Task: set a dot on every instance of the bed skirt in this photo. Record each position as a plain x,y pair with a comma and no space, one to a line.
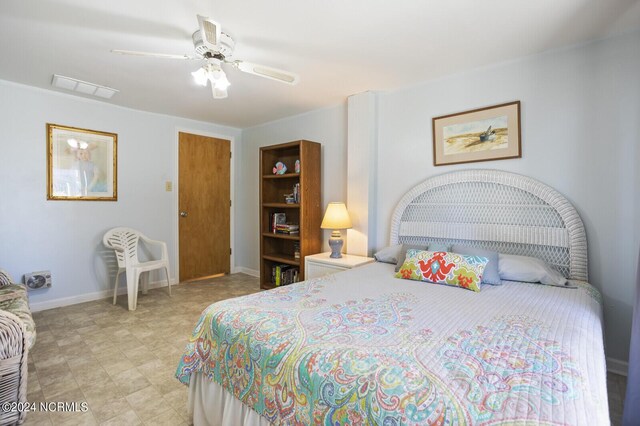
211,405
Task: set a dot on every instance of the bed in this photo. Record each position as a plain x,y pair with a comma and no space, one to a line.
363,347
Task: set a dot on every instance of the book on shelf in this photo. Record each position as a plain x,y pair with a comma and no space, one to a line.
287,228
293,197
284,274
296,193
277,219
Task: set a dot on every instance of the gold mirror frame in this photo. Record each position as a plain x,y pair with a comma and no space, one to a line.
83,148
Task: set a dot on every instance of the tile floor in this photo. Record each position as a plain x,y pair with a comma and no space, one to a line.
617,388
122,363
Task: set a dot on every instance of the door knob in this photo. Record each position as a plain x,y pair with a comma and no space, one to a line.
183,214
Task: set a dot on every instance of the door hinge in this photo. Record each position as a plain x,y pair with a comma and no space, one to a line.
230,154
229,203
230,250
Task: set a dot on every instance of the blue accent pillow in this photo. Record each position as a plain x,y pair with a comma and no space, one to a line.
388,254
491,273
434,247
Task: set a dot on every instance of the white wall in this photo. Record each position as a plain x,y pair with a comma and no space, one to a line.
362,148
580,135
65,236
327,126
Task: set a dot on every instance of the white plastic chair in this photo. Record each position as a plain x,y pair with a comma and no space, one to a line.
125,243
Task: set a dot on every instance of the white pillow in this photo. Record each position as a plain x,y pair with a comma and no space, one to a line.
528,269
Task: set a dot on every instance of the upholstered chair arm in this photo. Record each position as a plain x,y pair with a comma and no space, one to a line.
5,277
13,365
12,332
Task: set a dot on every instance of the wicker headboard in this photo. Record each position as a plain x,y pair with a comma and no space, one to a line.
496,210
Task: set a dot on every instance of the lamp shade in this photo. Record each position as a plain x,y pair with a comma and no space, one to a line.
336,217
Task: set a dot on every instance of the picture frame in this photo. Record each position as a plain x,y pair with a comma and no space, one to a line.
483,134
81,164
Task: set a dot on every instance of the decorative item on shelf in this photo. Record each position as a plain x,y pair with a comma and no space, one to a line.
336,217
289,198
279,168
277,219
296,251
297,166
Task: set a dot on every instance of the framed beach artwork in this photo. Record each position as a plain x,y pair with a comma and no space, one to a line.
484,134
81,164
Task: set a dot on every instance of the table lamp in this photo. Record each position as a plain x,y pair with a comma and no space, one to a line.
336,217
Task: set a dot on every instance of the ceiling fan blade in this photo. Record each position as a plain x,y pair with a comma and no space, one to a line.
153,55
210,32
267,72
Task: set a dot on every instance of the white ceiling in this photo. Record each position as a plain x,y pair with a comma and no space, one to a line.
337,47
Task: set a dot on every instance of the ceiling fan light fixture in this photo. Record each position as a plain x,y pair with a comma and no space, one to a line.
200,76
221,82
212,72
219,93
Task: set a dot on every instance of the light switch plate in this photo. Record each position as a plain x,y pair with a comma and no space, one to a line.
168,186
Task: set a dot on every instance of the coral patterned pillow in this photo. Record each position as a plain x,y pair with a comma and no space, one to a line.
444,268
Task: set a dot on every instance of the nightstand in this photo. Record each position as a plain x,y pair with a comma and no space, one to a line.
318,265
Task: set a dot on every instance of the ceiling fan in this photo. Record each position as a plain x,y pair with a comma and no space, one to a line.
216,48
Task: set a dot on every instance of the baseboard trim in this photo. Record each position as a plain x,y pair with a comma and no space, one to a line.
617,366
104,294
248,271
88,297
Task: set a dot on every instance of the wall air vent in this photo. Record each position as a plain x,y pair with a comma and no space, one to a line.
38,280
83,87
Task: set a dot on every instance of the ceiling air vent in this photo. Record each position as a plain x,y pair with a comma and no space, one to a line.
83,87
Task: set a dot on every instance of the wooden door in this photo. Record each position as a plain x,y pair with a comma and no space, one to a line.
204,206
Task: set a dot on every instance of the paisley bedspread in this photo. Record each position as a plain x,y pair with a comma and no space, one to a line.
362,347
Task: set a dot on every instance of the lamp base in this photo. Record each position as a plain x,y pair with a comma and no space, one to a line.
336,242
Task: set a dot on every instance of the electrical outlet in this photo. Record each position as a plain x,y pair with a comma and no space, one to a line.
168,186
